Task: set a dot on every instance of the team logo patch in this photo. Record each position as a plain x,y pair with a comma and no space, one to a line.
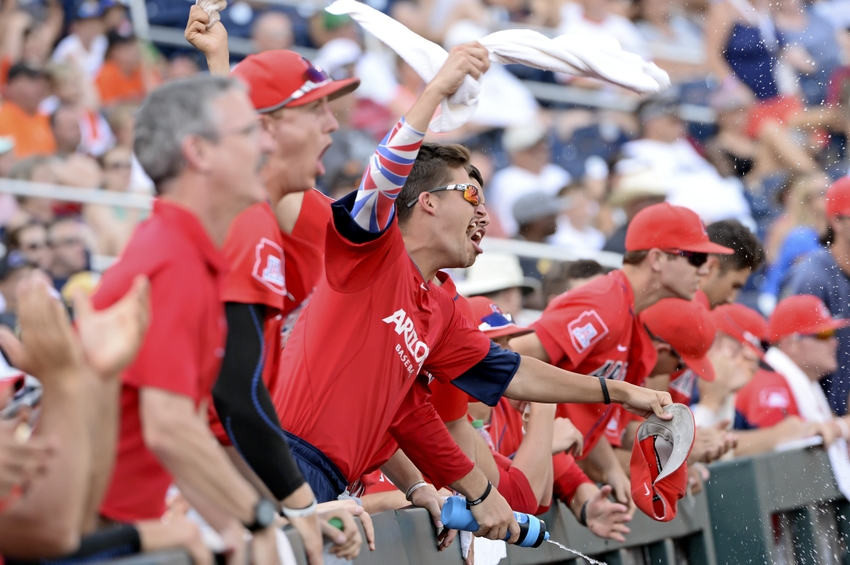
586,330
774,398
268,267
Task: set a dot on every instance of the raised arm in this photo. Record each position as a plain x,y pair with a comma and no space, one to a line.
390,165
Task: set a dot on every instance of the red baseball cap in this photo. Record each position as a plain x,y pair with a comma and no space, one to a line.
492,321
659,467
804,314
743,324
10,377
838,198
281,78
687,327
664,226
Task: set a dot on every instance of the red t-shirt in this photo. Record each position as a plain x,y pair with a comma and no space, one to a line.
593,330
304,249
182,349
254,252
764,402
356,350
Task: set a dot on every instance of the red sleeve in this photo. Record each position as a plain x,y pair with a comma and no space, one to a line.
425,440
450,402
568,477
166,359
254,254
514,486
461,347
571,330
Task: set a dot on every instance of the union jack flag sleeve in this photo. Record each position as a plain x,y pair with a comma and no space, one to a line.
387,172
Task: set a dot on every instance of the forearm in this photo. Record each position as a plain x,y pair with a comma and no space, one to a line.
47,521
753,442
116,541
472,485
189,452
383,501
104,426
465,436
401,471
602,456
537,381
534,457
245,407
583,493
485,461
219,63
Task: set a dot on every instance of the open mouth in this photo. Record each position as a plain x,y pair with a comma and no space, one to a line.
476,234
320,166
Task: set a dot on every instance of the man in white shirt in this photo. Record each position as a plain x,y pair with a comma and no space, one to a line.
689,179
530,171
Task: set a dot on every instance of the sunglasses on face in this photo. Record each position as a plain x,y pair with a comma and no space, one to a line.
695,258
825,335
471,193
314,77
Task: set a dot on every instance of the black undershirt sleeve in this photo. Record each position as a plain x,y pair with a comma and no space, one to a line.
245,407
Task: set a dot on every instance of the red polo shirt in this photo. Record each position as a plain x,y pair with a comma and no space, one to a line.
593,330
182,349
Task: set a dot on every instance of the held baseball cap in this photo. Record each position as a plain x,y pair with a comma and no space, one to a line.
664,226
838,198
686,326
281,78
659,468
492,321
804,314
743,324
10,378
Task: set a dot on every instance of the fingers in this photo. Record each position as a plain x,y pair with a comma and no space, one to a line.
514,529
13,348
332,533
579,447
447,537
661,400
368,527
197,15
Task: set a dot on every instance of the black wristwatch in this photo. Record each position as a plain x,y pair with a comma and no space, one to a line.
265,513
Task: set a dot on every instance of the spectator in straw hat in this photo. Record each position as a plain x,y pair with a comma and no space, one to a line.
499,277
633,192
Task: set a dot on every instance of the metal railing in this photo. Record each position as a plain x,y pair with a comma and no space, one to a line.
141,201
774,508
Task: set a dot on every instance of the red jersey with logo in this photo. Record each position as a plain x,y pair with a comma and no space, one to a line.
182,349
254,252
593,330
304,249
764,402
350,366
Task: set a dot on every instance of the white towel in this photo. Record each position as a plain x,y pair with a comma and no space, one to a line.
814,407
589,56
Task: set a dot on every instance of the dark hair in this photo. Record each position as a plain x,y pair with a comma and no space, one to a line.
13,237
748,250
432,168
584,269
635,257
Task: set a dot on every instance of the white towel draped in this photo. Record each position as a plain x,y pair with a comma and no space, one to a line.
586,56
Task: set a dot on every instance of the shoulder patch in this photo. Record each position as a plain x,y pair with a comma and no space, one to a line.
586,330
268,266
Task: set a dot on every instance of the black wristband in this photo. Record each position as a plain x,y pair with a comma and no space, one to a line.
582,516
481,498
605,394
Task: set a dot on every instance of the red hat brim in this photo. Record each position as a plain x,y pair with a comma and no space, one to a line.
706,247
699,365
511,331
332,90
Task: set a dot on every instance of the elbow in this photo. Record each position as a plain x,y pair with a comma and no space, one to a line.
39,537
159,436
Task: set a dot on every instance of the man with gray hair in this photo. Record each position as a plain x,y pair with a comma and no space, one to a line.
200,141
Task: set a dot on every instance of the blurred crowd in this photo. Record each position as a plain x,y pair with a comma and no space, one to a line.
748,149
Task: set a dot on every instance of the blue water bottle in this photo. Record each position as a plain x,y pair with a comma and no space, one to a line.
457,516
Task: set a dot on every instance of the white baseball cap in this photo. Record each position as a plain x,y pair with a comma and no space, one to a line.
494,271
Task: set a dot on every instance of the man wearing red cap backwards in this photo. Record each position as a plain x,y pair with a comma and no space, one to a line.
595,330
826,274
802,335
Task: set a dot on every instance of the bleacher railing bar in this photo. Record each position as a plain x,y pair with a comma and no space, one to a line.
775,508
